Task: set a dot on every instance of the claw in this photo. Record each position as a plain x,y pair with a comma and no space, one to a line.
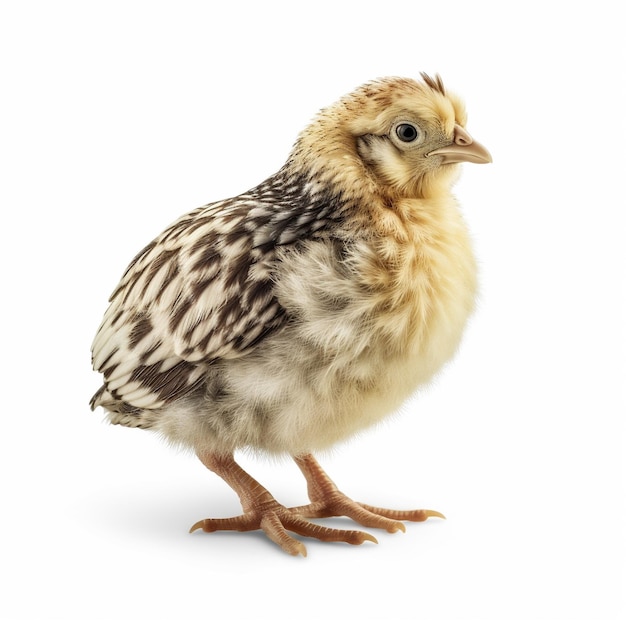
197,526
368,537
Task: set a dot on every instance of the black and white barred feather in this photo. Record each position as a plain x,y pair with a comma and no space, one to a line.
202,291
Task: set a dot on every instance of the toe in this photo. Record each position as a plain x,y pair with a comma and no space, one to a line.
275,530
323,533
416,515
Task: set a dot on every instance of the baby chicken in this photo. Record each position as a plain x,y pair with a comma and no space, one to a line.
306,309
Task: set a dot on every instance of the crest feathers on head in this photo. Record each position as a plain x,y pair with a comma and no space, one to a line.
436,83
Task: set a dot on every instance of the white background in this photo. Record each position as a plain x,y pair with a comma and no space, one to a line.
116,117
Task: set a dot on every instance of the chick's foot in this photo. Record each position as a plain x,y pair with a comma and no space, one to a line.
263,512
328,501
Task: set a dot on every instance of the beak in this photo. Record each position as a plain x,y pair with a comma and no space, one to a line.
463,148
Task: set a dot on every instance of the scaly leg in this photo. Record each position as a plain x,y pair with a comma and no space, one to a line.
262,511
328,501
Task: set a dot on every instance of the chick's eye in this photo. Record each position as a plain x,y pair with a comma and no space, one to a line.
407,132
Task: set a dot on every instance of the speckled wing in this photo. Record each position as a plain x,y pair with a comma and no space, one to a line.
199,292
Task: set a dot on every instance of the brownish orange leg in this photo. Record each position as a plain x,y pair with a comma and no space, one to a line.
328,501
262,511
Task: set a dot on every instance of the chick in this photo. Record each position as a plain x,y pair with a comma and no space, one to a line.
290,317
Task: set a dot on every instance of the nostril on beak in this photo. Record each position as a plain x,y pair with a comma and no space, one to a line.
462,137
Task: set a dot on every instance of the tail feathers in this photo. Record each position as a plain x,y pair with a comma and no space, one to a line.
97,399
119,412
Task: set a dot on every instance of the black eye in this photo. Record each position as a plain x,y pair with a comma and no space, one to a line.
407,132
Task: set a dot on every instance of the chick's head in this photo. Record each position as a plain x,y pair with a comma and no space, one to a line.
406,136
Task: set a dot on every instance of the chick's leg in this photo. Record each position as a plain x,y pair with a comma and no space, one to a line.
328,501
262,511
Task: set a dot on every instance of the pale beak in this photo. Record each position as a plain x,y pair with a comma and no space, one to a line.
464,148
